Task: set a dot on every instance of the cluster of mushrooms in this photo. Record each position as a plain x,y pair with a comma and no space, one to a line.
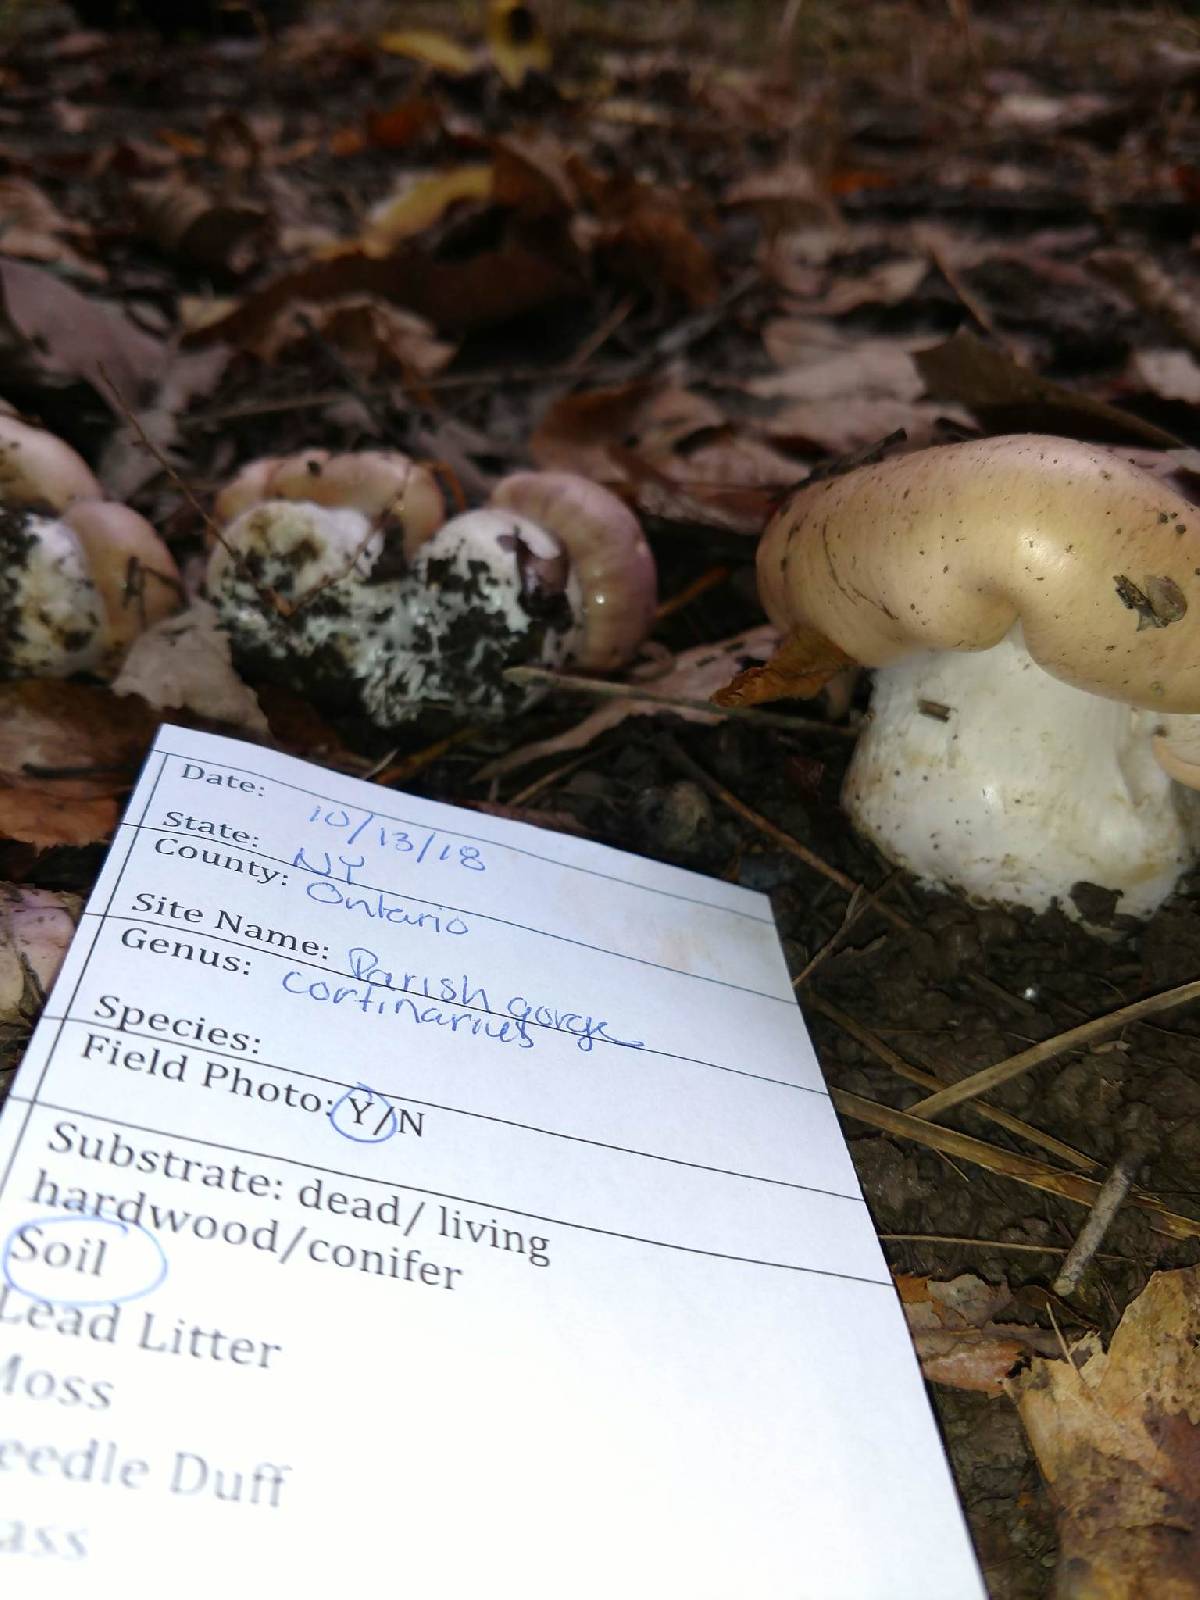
1030,605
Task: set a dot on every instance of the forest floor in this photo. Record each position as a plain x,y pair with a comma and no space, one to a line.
692,253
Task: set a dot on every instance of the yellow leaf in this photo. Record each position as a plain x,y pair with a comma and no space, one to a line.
434,49
422,203
516,40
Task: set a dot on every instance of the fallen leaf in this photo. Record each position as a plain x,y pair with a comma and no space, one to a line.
420,202
34,229
783,196
798,670
872,368
1175,304
1170,374
696,674
958,1340
460,295
516,40
432,49
36,926
371,336
1117,1438
67,750
50,333
888,283
226,236
1009,398
650,416
401,125
185,663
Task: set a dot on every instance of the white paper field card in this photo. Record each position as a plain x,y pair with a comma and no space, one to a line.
399,1201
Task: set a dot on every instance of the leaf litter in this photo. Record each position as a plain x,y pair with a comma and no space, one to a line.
697,256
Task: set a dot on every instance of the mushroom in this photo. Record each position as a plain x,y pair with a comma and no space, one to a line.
1032,605
379,606
81,575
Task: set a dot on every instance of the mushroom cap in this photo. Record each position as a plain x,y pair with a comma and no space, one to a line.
604,540
948,548
378,483
37,469
132,570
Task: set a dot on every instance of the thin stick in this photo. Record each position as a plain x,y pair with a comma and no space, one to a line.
276,601
405,768
986,1244
706,581
855,907
991,1077
1113,1193
602,689
929,1080
1004,1163
525,795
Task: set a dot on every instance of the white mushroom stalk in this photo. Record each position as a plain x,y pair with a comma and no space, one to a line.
388,612
81,576
1033,605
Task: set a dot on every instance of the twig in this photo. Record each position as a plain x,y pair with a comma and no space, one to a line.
855,907
277,603
422,758
929,1080
1113,1193
1005,1163
1004,1071
985,1244
602,689
701,585
525,795
601,334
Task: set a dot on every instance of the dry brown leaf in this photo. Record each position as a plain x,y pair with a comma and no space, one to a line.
516,40
784,197
36,926
696,674
957,1338
421,201
1009,398
650,416
34,229
50,333
870,369
399,127
226,236
370,335
185,663
1176,304
532,175
66,751
887,284
843,424
1117,1438
456,296
798,670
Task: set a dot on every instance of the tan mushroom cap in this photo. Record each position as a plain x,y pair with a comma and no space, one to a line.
132,570
38,469
949,548
613,562
374,482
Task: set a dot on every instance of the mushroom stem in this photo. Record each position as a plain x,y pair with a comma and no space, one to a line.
981,772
